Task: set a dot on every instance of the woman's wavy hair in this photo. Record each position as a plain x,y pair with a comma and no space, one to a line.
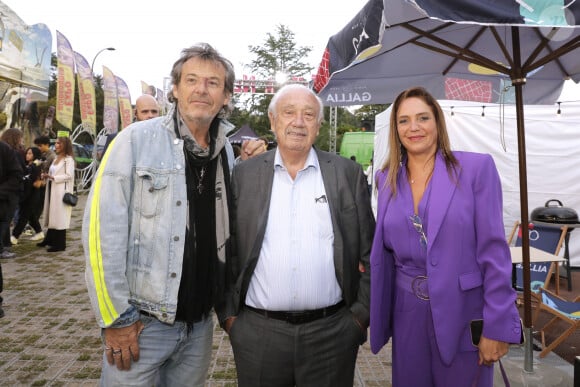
205,52
67,146
13,137
398,153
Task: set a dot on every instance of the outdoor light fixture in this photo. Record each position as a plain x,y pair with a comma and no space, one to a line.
452,113
559,112
95,57
482,111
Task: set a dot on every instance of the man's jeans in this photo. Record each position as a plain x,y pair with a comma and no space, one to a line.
168,356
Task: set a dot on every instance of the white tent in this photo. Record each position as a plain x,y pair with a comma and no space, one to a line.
552,146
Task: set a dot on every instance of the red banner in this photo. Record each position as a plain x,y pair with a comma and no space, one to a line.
125,107
87,101
65,86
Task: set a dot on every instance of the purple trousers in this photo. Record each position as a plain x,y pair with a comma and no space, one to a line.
416,359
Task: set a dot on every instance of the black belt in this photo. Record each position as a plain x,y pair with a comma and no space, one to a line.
299,317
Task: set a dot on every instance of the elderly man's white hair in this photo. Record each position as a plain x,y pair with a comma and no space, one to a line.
295,86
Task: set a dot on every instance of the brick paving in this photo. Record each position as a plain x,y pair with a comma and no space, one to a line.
49,336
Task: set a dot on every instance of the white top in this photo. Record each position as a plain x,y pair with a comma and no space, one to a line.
369,174
295,270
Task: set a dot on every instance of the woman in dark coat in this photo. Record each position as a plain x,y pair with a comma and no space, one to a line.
31,200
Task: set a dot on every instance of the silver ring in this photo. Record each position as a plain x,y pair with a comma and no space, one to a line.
116,352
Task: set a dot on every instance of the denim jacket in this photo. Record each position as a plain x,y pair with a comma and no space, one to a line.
134,224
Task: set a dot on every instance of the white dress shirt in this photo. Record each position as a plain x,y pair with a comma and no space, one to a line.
295,270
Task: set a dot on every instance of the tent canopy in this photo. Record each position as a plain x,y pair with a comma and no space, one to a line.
244,133
474,57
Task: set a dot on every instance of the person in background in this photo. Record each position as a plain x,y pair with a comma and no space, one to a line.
47,156
30,199
13,137
369,174
146,107
10,185
156,231
440,263
10,189
299,306
59,179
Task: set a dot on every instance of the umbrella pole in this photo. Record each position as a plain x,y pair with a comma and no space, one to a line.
518,80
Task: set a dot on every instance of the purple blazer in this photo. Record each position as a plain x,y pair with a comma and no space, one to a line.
468,260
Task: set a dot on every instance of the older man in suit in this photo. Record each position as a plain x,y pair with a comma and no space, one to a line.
303,224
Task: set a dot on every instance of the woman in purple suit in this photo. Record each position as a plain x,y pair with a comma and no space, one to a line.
440,262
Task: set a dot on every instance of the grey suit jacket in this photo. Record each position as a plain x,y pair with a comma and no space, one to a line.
352,221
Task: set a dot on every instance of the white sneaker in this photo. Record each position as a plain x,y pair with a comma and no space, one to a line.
28,232
37,237
13,240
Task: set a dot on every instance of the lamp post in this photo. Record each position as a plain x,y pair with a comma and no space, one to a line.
95,58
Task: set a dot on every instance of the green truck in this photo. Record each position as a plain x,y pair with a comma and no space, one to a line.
358,144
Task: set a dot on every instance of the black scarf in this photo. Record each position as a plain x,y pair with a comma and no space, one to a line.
197,290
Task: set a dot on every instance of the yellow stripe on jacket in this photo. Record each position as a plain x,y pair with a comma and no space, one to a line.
106,307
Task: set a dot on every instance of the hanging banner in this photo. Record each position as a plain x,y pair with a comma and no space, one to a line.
144,87
147,89
110,104
161,101
65,86
24,55
87,100
125,107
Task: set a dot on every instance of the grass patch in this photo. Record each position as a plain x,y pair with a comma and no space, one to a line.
227,374
84,357
87,373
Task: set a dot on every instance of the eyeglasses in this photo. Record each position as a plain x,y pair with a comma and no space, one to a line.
418,224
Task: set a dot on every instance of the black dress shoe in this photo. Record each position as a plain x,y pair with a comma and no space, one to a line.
53,249
42,244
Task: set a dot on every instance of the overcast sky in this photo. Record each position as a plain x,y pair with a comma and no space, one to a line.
149,35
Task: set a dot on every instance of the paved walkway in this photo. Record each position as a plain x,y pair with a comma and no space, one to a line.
49,336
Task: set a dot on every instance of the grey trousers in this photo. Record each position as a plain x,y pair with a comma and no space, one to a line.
275,353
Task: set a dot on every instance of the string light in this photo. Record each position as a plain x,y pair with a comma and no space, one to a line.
452,113
482,111
559,112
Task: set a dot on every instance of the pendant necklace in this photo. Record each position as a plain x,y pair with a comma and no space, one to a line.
200,176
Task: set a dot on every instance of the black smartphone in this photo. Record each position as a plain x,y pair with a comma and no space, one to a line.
476,327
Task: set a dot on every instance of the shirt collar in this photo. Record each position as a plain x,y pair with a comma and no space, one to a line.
311,161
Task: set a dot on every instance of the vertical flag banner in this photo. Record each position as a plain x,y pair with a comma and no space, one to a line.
65,86
147,89
161,101
125,107
144,87
87,100
110,104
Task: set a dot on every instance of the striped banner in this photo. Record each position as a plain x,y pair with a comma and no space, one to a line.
161,101
65,85
87,100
